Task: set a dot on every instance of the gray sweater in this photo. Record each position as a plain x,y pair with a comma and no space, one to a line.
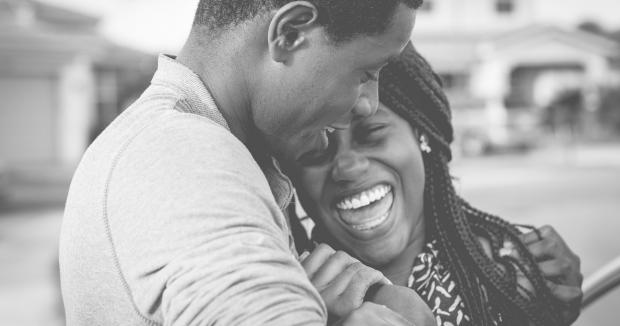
170,221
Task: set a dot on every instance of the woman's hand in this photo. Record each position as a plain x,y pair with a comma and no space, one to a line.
560,266
341,279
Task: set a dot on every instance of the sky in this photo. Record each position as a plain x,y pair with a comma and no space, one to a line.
163,25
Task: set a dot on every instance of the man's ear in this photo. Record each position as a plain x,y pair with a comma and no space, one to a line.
288,28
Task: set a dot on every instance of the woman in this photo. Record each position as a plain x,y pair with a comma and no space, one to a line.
383,193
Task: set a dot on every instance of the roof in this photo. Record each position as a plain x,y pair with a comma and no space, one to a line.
52,36
449,52
454,52
540,34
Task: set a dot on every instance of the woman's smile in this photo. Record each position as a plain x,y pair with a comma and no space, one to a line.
367,210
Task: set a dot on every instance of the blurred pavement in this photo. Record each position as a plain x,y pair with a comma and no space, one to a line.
575,189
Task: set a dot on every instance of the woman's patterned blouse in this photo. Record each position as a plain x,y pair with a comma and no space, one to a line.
433,282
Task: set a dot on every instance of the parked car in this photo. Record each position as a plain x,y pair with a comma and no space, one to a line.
474,136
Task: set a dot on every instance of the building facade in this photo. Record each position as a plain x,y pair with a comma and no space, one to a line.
502,64
59,81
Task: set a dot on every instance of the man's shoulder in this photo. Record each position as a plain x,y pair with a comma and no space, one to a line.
178,141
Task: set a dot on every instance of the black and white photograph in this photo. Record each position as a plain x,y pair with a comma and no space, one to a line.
310,162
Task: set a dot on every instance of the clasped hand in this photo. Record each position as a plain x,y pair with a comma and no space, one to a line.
343,282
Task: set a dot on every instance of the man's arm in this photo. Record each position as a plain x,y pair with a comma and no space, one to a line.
198,236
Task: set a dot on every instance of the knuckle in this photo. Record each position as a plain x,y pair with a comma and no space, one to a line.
354,269
324,247
341,255
553,246
547,230
565,265
356,266
370,275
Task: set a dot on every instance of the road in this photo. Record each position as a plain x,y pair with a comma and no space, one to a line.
577,194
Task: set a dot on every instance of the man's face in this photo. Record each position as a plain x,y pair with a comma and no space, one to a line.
327,85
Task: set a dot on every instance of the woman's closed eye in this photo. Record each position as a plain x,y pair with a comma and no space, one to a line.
369,133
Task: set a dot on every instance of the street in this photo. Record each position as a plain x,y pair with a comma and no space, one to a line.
578,194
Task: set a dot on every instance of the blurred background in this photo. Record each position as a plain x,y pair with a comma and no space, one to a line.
534,85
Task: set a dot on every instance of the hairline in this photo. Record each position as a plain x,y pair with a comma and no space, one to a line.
216,31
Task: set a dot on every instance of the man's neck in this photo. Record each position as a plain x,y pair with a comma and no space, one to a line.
225,80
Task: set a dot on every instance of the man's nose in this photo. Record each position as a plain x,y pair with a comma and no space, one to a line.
349,166
368,102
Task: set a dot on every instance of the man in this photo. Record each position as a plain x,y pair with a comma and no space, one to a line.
174,215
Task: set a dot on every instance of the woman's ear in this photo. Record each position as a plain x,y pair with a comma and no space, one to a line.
289,27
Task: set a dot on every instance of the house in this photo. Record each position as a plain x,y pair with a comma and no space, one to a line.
502,64
60,81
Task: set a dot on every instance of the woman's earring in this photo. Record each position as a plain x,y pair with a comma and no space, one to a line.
424,146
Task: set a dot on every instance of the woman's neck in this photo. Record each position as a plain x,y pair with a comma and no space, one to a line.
399,268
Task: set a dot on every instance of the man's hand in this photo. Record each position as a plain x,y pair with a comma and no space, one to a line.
560,266
406,302
341,279
372,314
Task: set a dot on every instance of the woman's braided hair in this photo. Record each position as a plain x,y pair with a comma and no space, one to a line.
409,87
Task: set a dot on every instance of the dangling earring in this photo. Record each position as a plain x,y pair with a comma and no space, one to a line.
424,146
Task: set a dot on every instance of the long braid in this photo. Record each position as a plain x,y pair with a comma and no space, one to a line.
471,297
452,222
502,229
409,87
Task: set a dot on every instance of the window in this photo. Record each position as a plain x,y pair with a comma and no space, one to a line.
427,6
504,6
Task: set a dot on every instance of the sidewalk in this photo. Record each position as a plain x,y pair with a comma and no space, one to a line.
532,167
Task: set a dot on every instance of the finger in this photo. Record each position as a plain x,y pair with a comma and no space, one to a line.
316,259
565,293
553,268
541,250
363,279
339,283
548,231
376,315
336,264
564,270
388,316
303,256
531,237
331,293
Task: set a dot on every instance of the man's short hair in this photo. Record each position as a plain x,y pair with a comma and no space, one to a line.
343,19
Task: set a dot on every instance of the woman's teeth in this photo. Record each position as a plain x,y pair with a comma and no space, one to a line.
363,198
367,209
372,223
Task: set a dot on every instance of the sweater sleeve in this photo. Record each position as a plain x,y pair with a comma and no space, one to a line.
198,236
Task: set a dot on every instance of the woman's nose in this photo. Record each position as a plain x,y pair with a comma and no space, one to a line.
349,166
